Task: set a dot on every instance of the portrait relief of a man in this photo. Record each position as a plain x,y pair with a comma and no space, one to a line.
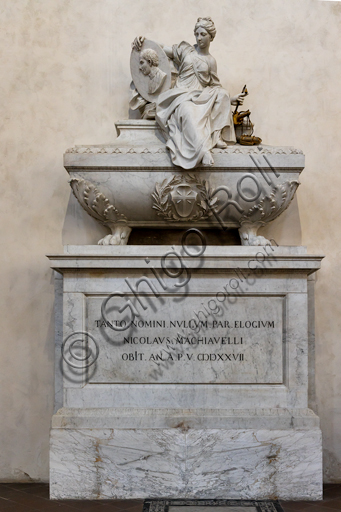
148,65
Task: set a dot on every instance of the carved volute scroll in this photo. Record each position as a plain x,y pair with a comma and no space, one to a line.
96,204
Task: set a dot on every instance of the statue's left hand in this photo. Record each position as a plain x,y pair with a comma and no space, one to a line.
239,99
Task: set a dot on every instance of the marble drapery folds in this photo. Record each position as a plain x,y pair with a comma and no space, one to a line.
197,111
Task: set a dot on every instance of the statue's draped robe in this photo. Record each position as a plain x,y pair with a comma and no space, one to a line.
196,112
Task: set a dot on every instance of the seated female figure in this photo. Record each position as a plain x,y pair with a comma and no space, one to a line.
196,114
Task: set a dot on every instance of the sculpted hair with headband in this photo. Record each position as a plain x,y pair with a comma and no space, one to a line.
207,24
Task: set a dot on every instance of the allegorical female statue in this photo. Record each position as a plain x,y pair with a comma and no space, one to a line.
196,113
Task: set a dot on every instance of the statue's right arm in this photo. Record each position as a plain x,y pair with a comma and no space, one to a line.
168,50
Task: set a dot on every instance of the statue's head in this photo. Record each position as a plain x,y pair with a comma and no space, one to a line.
208,25
148,59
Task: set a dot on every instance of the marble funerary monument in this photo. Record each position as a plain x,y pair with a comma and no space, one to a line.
187,369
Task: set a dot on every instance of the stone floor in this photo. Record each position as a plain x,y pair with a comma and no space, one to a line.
35,497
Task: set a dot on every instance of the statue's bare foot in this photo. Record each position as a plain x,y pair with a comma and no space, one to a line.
207,159
221,144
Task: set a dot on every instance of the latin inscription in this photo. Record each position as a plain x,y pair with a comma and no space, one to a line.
240,346
192,324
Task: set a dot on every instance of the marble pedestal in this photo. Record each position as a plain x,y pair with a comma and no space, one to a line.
208,394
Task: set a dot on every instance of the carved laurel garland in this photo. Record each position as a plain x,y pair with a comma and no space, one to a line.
271,206
163,204
95,203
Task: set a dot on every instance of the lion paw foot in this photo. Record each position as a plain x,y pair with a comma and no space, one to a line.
254,240
119,236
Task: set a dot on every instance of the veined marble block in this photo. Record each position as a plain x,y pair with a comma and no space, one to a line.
186,461
185,376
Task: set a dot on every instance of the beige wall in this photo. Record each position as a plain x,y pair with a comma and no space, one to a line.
64,72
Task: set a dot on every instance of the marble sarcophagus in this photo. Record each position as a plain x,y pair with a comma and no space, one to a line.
133,183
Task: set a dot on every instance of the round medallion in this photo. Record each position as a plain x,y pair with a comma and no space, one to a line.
150,70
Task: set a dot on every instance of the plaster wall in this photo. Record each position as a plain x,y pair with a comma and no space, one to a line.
65,78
